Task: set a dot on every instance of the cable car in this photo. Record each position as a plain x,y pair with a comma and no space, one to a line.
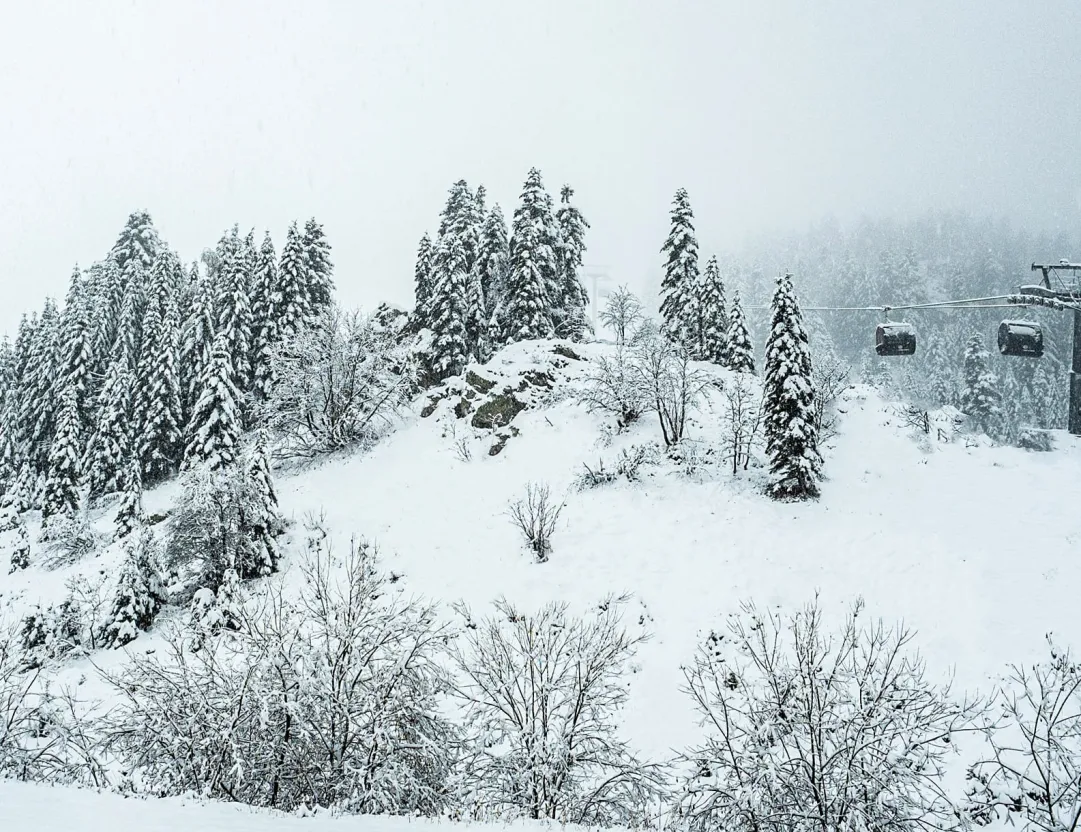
1022,338
895,339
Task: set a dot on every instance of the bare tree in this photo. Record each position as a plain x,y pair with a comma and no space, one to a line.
612,387
915,417
669,384
541,693
1033,770
830,379
742,412
808,731
536,516
622,311
336,383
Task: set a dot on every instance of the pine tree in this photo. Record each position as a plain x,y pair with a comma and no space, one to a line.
292,302
319,284
214,429
197,344
20,555
136,598
111,442
460,219
712,316
678,301
939,373
493,258
980,398
234,318
789,401
738,351
138,242
129,513
109,301
573,299
264,318
266,523
422,281
61,496
526,312
159,444
450,348
38,403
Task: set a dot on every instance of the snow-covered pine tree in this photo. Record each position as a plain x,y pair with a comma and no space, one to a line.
129,513
109,301
234,317
214,429
320,284
447,310
197,344
159,443
422,282
551,244
678,302
939,371
20,555
712,318
38,403
292,300
111,442
476,316
137,596
738,350
138,242
493,258
526,311
264,310
789,401
61,497
267,522
571,321
980,397
459,219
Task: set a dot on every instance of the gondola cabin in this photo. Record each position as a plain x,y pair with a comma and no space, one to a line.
895,339
1022,338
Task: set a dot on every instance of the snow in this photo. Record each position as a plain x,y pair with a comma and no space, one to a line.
973,547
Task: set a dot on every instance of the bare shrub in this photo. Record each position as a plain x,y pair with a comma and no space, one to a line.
830,380
812,731
330,700
69,538
536,516
337,383
627,465
1032,773
622,311
612,388
742,413
541,693
668,384
915,417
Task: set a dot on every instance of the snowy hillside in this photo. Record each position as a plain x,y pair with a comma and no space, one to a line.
971,546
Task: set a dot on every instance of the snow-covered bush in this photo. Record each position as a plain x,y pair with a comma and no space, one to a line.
225,519
137,595
70,538
1035,439
812,730
612,388
741,410
536,516
20,554
330,700
1032,772
830,377
541,694
627,465
668,384
337,383
622,311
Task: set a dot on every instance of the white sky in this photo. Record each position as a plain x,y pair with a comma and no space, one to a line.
772,114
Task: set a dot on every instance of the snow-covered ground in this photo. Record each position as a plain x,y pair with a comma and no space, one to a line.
973,547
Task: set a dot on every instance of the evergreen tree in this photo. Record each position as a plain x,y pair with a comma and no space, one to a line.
319,284
109,301
738,351
712,316
980,398
292,302
214,429
493,258
234,317
940,385
422,281
38,405
138,242
450,348
159,444
61,496
111,442
197,344
678,301
266,524
526,312
573,299
789,401
20,555
264,318
460,219
136,599
129,513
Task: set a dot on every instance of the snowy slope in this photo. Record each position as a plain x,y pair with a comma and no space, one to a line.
971,546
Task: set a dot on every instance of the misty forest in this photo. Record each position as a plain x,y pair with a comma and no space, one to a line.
627,520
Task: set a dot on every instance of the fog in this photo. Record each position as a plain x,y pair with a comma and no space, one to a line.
772,115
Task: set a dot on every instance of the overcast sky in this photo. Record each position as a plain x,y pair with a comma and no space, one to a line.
772,115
